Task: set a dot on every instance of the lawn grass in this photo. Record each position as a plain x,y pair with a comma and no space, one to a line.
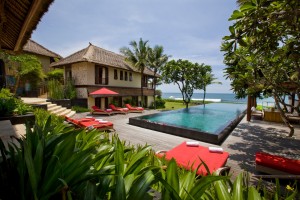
178,104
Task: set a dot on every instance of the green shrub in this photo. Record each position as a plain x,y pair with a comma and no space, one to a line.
57,74
69,90
79,109
21,108
10,105
55,89
7,102
160,103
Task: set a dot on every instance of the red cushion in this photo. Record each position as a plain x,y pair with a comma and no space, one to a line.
188,157
278,162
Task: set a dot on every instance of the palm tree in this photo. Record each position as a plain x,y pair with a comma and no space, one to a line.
208,79
138,58
156,60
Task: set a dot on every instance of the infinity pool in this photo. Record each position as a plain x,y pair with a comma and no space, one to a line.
211,123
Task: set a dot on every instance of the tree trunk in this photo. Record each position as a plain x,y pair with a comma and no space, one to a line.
204,94
186,104
284,118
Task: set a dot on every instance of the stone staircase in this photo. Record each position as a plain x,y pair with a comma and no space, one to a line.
52,108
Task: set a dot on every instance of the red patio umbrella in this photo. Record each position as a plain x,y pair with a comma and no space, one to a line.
103,92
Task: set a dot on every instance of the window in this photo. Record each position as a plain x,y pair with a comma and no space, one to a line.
101,75
126,76
121,75
115,74
130,76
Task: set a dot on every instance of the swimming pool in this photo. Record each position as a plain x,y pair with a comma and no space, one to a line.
211,123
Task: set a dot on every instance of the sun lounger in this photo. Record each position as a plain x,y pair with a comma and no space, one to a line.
98,111
117,109
276,165
134,109
188,156
90,123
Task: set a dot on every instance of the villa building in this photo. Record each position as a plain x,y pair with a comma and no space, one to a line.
93,68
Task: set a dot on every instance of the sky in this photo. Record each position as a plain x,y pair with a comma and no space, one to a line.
187,29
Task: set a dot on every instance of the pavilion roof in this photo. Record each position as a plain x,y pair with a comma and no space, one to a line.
33,47
18,19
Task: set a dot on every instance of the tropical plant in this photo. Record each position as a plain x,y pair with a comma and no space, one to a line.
69,89
186,75
7,102
55,89
10,105
156,61
262,51
138,58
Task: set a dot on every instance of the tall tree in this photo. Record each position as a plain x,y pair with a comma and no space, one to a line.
262,51
137,56
186,75
207,79
156,61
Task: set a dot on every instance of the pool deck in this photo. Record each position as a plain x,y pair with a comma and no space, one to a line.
242,144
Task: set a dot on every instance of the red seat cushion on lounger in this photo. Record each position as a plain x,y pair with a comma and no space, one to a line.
93,123
278,162
187,156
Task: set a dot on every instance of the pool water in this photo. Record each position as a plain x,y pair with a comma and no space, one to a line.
212,118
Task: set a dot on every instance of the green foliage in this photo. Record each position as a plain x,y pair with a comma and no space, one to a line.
58,91
69,90
188,77
7,102
21,108
57,74
137,57
10,105
160,103
262,51
79,109
55,89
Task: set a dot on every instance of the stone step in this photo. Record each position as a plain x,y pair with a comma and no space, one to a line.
67,112
59,110
54,108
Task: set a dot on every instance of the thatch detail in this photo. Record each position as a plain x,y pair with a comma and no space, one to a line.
99,56
33,47
18,19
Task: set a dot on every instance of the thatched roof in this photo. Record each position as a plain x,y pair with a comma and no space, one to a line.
33,47
18,18
100,56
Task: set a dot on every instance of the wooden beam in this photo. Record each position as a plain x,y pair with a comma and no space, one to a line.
33,11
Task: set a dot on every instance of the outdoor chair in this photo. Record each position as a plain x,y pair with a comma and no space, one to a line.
117,109
189,157
134,109
276,165
91,123
98,111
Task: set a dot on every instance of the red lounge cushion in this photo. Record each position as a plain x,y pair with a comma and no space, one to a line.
188,158
278,162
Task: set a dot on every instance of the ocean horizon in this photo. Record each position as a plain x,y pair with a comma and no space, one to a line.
217,97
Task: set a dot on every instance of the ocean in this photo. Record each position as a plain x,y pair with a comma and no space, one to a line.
218,97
